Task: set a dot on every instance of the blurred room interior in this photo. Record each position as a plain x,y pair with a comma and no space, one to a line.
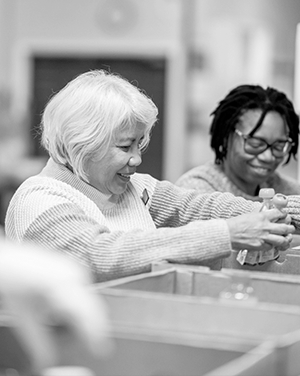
186,54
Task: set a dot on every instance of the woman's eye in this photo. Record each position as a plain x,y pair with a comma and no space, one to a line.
125,147
255,143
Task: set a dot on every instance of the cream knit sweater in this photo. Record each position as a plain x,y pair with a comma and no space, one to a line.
120,236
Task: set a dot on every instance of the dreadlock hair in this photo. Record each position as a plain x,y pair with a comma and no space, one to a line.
250,97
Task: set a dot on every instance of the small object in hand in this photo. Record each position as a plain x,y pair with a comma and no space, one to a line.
280,201
241,257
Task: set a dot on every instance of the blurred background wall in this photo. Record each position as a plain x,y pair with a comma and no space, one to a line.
187,54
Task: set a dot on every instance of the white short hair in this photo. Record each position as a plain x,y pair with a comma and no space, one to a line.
79,121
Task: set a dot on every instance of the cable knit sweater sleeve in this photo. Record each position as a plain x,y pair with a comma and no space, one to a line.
294,211
173,206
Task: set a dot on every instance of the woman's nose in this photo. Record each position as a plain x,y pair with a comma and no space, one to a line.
135,160
267,155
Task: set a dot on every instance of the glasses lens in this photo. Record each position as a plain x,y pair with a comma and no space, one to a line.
281,148
255,145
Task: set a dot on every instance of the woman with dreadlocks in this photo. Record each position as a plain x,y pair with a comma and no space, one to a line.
254,130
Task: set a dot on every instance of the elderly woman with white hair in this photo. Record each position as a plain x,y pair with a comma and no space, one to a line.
90,203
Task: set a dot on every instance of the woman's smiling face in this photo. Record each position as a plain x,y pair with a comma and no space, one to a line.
249,171
111,174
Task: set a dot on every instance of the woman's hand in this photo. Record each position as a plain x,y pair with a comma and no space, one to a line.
261,231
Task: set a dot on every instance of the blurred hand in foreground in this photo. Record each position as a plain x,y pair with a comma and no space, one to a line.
46,291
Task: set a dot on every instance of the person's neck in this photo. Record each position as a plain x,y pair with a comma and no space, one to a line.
250,189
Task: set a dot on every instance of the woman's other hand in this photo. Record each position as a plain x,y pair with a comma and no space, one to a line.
261,231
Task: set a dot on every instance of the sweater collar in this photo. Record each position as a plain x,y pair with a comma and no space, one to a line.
61,172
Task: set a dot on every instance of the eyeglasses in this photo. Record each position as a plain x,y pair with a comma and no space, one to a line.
255,145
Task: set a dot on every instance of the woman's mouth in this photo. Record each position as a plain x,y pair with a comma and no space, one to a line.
261,170
125,177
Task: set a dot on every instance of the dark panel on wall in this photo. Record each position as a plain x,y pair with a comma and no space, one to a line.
52,73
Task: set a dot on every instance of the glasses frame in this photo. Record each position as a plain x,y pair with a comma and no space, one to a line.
289,142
